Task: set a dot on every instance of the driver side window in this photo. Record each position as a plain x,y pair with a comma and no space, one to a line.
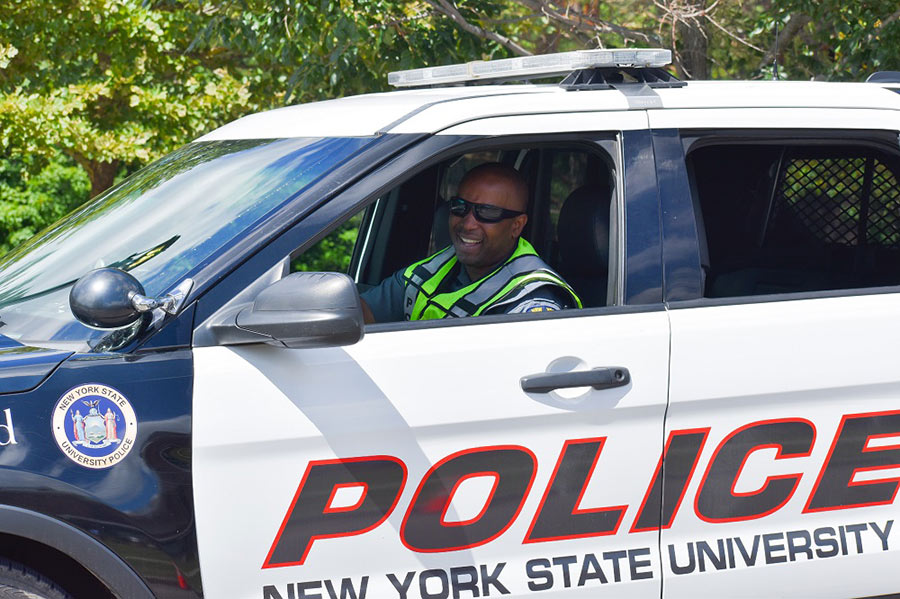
570,189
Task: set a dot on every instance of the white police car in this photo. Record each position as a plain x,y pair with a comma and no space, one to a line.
722,418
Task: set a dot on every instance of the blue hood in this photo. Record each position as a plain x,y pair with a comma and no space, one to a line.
22,368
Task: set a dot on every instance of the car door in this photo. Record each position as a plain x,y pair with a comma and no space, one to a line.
783,425
415,463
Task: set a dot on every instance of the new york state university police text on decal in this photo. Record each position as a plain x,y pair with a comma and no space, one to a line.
94,425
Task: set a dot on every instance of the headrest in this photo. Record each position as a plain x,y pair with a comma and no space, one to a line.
440,230
583,231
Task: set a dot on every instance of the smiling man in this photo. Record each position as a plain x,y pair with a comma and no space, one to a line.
488,269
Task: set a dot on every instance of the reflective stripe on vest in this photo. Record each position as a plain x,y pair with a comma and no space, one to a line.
520,275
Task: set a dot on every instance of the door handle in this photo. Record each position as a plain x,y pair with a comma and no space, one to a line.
606,377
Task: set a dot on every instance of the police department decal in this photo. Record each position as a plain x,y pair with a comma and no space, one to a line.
94,425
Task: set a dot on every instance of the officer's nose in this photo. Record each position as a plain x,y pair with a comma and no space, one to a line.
469,219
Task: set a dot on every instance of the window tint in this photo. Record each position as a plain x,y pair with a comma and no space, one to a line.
795,218
334,252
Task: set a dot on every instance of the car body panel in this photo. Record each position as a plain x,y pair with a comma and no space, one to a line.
816,363
23,368
142,505
389,396
430,111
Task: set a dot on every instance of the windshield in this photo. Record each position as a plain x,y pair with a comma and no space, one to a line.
159,224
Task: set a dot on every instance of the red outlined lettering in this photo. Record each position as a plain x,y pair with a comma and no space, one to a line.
309,519
560,515
717,500
671,478
849,454
329,505
425,528
484,508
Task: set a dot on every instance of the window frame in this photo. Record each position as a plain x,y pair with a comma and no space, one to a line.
365,191
692,139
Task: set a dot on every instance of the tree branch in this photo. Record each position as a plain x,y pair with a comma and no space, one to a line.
890,19
732,35
446,8
579,21
795,25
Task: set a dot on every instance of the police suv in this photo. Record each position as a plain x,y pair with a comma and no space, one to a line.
191,405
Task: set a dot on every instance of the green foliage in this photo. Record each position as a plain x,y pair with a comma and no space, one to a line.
332,253
299,50
839,41
106,82
29,205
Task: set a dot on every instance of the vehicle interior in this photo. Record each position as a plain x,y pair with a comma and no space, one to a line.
797,216
571,189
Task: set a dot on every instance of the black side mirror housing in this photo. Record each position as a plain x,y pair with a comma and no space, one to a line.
302,310
102,298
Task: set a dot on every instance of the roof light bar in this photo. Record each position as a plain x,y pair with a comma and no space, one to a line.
530,67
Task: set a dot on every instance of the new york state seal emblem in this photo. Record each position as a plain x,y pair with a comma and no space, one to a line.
94,425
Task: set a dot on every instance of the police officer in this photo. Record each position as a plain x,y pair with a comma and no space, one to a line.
488,269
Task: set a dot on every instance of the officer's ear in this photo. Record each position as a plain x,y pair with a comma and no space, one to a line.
518,224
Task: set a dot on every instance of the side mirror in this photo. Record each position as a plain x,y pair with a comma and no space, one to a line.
304,309
103,298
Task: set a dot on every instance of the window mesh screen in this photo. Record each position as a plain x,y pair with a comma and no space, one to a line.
884,208
826,198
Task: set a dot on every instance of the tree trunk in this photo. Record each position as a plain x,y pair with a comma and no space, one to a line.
692,43
101,174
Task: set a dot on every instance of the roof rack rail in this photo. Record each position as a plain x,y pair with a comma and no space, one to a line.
884,77
608,78
525,68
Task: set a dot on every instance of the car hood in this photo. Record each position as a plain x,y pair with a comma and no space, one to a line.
23,368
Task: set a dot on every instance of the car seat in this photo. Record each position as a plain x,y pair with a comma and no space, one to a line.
583,234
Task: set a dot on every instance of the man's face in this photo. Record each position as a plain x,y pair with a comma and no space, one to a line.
479,246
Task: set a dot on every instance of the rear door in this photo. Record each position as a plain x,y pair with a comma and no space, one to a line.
415,464
783,427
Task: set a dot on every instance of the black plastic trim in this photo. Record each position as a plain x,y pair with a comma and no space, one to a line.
614,77
643,275
682,268
100,561
607,377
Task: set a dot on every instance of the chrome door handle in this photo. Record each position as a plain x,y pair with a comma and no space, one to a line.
606,377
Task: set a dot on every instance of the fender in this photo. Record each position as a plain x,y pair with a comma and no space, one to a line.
95,557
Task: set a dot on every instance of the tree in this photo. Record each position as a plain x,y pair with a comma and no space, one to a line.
106,83
827,39
28,206
299,50
705,36
834,40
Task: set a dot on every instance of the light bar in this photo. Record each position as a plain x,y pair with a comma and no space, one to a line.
525,67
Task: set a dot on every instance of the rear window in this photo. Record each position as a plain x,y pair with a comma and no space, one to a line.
798,217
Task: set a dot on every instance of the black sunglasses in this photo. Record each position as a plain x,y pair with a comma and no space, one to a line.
484,213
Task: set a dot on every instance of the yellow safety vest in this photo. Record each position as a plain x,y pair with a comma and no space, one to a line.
522,273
